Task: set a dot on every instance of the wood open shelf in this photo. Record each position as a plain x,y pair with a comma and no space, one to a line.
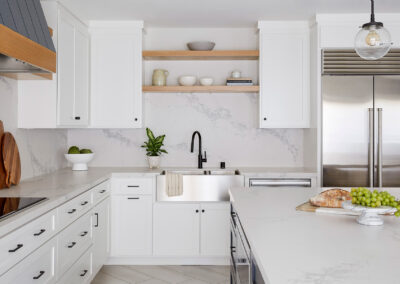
201,55
201,89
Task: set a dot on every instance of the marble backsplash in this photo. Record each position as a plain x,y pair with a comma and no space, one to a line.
228,124
41,151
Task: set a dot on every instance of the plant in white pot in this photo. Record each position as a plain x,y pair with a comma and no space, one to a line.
153,148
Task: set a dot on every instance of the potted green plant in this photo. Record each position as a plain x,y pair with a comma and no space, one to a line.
153,148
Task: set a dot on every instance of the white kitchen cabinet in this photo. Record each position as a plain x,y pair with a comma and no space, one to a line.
63,101
116,74
214,232
284,75
176,229
101,235
131,225
38,267
73,71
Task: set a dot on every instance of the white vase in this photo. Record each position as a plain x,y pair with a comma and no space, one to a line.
154,162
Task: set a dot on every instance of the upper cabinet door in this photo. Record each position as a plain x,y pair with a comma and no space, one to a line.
73,71
116,81
284,75
81,110
65,69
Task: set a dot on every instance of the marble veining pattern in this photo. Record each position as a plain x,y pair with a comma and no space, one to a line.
228,124
41,151
116,274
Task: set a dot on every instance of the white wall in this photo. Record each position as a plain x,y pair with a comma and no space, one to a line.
228,122
41,151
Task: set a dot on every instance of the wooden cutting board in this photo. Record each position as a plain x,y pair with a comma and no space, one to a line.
11,159
2,170
308,207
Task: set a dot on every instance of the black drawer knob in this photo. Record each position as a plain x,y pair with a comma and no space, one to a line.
17,248
39,275
41,232
72,211
72,245
84,273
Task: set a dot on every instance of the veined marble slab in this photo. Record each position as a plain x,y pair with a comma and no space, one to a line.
306,248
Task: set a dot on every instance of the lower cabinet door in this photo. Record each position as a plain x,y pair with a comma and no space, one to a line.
101,234
176,229
39,267
132,218
80,272
215,228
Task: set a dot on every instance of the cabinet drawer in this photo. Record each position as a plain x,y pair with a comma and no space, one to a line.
138,186
19,243
73,209
73,241
80,272
101,191
39,267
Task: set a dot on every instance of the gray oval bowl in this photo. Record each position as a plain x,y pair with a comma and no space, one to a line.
201,45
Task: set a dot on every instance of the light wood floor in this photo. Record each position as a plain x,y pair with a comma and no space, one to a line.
116,274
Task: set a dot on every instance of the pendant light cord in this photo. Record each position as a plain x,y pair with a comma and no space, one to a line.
372,11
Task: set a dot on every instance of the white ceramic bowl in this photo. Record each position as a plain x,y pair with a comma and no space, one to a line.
206,81
79,161
187,80
201,45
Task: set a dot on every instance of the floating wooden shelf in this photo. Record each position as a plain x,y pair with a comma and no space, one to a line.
201,89
201,55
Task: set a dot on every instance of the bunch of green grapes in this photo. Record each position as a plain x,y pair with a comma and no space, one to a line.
365,197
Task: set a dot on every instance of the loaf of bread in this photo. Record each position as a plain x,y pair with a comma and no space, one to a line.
332,198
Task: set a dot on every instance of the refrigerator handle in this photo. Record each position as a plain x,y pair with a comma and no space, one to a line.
371,148
380,147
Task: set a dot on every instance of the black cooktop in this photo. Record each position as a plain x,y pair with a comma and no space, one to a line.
11,205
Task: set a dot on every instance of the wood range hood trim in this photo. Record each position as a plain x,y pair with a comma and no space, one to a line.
17,46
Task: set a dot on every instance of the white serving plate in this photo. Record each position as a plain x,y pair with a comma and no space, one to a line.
369,216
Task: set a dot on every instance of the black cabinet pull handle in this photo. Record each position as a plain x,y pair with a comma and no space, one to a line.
133,198
41,232
17,248
84,203
72,245
233,249
84,233
40,275
72,211
77,118
97,219
265,118
102,191
135,186
203,211
197,211
84,273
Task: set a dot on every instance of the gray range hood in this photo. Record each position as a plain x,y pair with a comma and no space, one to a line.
26,45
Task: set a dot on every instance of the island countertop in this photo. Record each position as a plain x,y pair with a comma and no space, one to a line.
297,247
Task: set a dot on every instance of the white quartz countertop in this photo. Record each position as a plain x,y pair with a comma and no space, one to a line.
301,247
66,184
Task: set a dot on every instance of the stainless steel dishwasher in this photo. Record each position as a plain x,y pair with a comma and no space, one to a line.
280,182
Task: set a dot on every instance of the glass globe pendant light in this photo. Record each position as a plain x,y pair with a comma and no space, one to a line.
373,41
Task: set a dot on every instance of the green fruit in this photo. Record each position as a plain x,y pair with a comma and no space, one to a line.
86,151
73,150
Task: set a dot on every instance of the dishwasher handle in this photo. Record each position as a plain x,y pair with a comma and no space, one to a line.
280,182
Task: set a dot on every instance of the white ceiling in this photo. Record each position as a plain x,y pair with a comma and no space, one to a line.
218,13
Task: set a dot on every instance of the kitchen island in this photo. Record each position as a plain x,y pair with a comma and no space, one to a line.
301,247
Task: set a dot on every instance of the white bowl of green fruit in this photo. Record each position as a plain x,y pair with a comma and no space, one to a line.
79,158
371,204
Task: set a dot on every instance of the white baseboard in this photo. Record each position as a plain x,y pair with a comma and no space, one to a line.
158,260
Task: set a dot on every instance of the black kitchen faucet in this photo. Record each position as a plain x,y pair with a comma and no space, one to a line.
201,160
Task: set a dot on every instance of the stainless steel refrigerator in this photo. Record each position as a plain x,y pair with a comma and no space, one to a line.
361,130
